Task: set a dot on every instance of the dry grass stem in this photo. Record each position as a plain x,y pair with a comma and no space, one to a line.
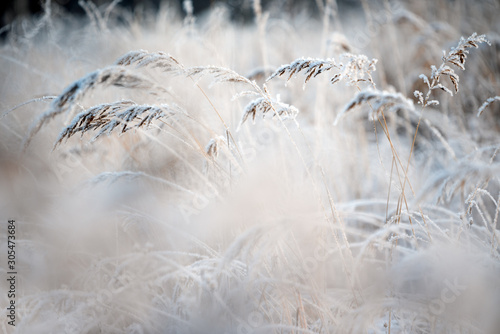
486,104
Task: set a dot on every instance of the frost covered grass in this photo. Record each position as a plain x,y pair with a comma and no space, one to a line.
363,198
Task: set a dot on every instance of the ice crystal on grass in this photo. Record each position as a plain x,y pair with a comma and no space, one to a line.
92,119
167,63
456,56
109,76
220,74
355,69
143,58
312,67
264,105
109,116
212,148
486,104
378,101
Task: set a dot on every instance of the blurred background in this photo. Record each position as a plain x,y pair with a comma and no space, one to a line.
241,10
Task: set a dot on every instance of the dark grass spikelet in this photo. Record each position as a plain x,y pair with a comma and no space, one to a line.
264,106
356,69
105,118
66,101
456,56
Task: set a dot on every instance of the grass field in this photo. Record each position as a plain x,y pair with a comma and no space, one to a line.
333,170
